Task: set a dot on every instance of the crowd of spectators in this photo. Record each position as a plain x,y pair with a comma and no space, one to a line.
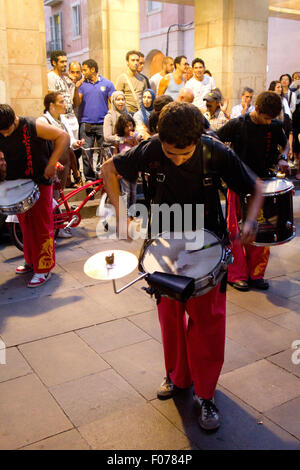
95,110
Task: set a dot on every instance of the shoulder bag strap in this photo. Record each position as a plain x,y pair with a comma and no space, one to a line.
132,90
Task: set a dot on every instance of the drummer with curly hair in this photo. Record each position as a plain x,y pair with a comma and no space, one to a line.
256,138
29,155
194,352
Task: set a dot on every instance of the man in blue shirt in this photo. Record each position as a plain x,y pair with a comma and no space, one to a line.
91,95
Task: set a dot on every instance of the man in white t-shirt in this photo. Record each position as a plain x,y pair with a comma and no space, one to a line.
245,106
200,84
57,81
167,67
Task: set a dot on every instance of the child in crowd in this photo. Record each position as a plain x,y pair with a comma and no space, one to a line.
128,138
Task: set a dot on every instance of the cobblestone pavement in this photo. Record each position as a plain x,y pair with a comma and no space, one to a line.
83,364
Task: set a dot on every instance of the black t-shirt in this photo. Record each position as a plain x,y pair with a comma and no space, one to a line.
255,144
184,184
25,153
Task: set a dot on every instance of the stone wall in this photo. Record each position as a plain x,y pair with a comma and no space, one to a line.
23,55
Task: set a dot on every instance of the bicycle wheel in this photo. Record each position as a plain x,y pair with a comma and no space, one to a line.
16,232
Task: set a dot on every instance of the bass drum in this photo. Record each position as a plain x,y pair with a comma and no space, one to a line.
276,218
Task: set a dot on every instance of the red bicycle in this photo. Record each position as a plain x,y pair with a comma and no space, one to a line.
65,215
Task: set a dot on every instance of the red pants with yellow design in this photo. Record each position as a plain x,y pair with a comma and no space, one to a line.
250,262
194,350
37,227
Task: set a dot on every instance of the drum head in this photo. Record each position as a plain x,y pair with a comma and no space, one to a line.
14,191
168,255
277,185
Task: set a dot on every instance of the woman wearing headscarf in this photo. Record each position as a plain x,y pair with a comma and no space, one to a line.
118,107
141,117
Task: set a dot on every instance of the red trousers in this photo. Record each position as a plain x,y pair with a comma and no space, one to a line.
194,350
37,227
249,261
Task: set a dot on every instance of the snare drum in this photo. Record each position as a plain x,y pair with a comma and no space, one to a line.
167,254
17,196
276,218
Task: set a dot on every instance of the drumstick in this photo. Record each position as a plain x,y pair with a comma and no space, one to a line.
210,245
19,185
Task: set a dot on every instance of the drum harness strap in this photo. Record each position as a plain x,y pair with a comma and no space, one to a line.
211,184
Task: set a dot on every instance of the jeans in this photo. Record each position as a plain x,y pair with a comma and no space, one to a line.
90,133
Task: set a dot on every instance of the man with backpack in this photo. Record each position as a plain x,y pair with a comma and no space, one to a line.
179,154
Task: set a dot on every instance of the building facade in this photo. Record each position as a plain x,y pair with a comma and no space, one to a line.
67,28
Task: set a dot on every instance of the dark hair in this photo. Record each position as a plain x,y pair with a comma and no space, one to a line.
141,54
91,63
247,89
286,75
208,72
178,59
160,102
7,116
273,84
180,124
50,98
56,54
122,122
198,60
269,103
129,53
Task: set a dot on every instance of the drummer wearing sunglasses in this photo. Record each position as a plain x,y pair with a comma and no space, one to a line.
194,352
28,155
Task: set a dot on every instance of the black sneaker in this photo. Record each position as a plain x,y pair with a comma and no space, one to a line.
260,284
240,285
166,389
208,418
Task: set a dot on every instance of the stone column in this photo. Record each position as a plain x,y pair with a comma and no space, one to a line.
231,36
25,52
113,30
4,83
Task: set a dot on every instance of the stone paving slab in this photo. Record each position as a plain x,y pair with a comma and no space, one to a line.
16,366
62,358
148,322
23,322
284,360
77,319
112,335
141,427
264,304
28,413
262,385
95,397
257,334
287,416
64,441
141,364
240,429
